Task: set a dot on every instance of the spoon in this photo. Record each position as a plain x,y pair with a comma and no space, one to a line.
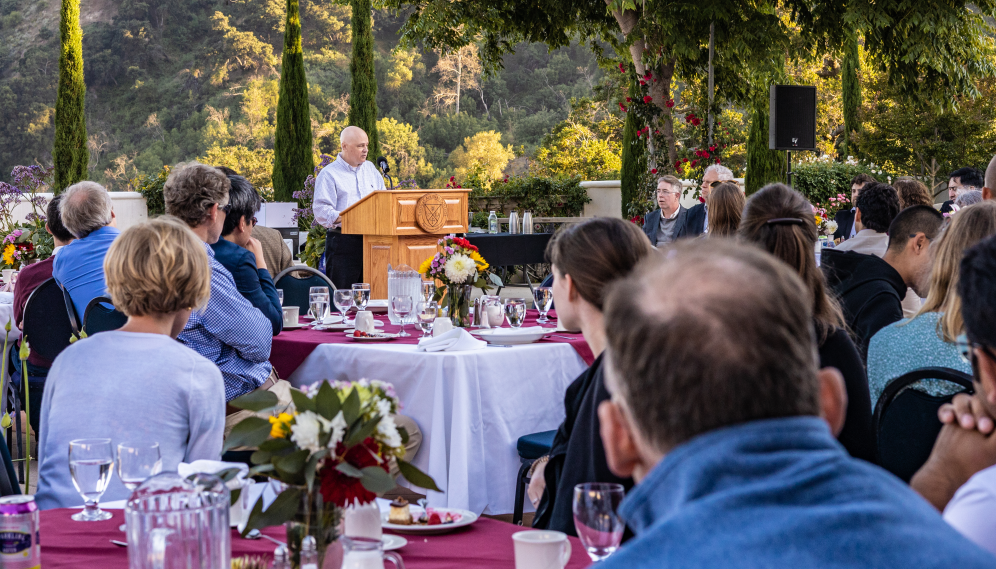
256,534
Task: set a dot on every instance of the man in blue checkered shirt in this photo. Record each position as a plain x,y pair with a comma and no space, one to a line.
229,331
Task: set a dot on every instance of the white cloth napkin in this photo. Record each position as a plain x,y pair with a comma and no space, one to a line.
6,298
456,340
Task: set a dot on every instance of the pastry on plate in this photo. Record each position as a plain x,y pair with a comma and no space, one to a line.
400,513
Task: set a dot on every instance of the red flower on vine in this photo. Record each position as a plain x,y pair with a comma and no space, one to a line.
648,99
621,68
628,100
717,161
653,170
669,104
694,163
622,107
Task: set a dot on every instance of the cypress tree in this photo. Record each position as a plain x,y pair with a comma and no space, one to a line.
764,166
363,98
69,152
851,92
634,161
293,161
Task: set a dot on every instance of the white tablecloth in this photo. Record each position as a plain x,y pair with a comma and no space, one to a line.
471,407
7,312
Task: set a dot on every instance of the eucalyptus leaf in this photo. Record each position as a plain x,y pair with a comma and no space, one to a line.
292,463
261,457
259,400
283,509
403,433
416,476
351,407
228,474
366,429
377,480
276,445
261,469
249,432
235,496
301,401
327,402
349,470
312,467
496,280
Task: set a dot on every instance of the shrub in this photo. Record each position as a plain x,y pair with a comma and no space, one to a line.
543,196
151,188
819,180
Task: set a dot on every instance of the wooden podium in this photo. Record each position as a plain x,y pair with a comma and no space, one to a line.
401,227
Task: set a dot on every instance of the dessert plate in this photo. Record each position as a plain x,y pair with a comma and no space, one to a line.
466,518
392,542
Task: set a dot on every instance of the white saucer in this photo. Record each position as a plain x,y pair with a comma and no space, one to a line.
392,542
294,326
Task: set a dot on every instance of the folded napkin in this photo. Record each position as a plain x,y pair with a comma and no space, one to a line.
456,340
332,319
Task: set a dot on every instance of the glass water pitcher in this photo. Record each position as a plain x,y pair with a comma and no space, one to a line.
403,281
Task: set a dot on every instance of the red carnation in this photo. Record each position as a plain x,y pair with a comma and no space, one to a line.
622,107
712,148
637,220
648,99
677,163
340,489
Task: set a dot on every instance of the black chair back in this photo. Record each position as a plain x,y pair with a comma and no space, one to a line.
906,423
47,324
99,318
8,479
296,288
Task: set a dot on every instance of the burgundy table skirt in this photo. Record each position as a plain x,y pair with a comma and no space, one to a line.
486,544
291,347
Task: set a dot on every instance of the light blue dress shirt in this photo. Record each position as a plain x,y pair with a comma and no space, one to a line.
79,268
339,186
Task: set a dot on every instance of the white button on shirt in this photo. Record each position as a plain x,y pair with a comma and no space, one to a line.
339,186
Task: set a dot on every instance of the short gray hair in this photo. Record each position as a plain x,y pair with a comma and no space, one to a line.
85,208
721,171
968,198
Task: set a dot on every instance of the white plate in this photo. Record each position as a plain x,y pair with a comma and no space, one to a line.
467,518
341,326
383,338
392,542
294,326
508,337
377,306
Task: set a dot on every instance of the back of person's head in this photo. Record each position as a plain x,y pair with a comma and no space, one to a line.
244,201
227,171
968,198
53,219
85,208
597,252
912,220
780,220
879,205
912,192
863,179
969,226
971,177
977,288
685,368
191,189
726,206
157,267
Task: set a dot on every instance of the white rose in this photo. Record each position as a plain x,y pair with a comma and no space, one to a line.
306,430
460,268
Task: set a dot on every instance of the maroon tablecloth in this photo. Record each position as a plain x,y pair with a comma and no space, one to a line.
292,347
486,544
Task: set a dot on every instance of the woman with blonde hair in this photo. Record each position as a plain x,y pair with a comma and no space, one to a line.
137,384
928,338
725,206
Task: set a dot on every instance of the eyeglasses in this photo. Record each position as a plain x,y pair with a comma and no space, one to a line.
225,208
965,346
254,222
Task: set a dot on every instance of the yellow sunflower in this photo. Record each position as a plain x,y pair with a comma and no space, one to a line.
8,254
481,263
426,265
819,219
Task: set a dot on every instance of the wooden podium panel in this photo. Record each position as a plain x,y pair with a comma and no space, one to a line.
402,228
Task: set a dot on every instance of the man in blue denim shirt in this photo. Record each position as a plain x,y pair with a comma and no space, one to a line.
719,413
86,212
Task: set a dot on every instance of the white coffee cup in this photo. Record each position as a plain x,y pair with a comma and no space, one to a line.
541,549
365,321
441,325
291,314
7,275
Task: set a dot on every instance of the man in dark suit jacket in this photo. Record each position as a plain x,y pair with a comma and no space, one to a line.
845,217
243,256
667,223
697,221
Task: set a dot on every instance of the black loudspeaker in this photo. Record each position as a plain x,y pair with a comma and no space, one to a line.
792,121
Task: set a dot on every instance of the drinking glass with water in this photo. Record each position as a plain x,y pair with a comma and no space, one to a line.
427,317
515,311
312,291
402,306
343,302
90,463
599,527
319,302
543,295
137,462
361,295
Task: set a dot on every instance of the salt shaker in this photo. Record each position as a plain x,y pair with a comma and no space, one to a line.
309,553
281,560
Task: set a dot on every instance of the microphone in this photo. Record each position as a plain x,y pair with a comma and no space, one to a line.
385,168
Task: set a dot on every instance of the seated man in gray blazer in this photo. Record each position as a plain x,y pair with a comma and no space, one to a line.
666,224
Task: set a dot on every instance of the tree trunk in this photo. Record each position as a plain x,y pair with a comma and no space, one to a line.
363,98
69,152
459,77
293,160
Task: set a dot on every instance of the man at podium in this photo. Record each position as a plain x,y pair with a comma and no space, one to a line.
339,185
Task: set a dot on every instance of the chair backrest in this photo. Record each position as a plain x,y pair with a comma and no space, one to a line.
296,288
8,479
99,318
47,324
906,423
74,319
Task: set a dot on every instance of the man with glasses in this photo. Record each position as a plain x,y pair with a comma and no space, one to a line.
959,477
667,223
697,221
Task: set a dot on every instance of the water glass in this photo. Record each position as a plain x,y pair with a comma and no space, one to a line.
90,463
361,295
515,311
427,317
343,302
599,527
280,295
137,462
319,302
402,306
428,290
316,290
543,295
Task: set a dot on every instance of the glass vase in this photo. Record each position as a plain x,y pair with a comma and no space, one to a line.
319,520
458,302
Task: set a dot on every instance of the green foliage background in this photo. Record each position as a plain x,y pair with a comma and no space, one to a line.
292,145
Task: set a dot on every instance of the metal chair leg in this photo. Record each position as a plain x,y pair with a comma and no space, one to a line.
521,480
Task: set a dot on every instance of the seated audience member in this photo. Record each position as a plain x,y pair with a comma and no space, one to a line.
780,220
726,206
966,199
86,212
912,192
242,254
959,477
960,181
720,415
136,384
275,252
928,339
586,258
872,293
28,280
877,205
667,222
697,221
845,217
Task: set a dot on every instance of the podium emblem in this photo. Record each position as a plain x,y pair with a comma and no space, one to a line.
430,213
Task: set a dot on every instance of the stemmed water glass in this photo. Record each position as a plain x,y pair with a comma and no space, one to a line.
319,303
427,317
402,306
280,295
599,527
90,463
137,462
361,295
515,311
315,290
428,290
543,295
343,302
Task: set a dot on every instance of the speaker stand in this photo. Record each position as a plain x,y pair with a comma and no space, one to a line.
788,171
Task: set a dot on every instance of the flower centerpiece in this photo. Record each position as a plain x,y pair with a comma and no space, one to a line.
24,241
331,448
460,267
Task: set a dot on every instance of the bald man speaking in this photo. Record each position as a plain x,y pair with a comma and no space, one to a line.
342,183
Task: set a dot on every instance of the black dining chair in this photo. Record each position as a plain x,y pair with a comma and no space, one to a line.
49,320
8,480
101,316
15,432
905,421
296,287
530,448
